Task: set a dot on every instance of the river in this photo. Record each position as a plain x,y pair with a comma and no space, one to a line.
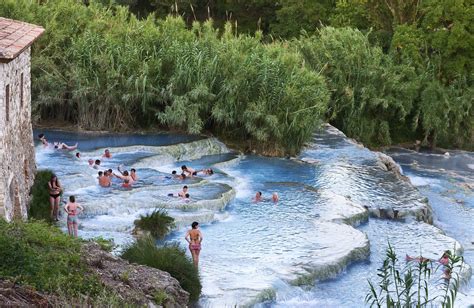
316,247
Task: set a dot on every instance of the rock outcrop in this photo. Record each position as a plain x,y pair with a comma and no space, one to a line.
14,295
387,163
136,284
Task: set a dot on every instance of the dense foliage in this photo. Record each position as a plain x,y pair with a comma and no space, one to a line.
104,69
158,223
171,259
44,257
39,207
393,70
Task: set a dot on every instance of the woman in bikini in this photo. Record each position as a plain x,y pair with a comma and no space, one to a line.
194,238
54,189
72,209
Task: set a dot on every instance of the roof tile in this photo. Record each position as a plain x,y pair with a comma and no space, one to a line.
15,36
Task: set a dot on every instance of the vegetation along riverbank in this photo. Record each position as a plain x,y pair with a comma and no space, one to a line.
409,78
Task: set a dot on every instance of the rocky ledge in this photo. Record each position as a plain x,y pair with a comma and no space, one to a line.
136,284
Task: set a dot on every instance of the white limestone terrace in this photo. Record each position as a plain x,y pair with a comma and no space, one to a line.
360,175
251,249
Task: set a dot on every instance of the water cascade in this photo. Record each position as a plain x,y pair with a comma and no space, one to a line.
339,206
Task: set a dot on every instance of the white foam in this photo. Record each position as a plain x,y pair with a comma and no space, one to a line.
423,181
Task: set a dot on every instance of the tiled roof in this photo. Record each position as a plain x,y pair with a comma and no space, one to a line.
15,36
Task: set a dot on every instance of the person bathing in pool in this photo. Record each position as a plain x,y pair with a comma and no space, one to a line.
106,154
183,194
133,173
207,171
194,238
63,146
258,197
125,177
188,170
104,179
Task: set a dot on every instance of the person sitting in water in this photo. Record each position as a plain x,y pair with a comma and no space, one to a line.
181,176
96,164
133,174
124,176
110,174
43,140
107,154
188,170
258,197
184,192
126,184
444,260
275,197
63,146
72,209
104,180
207,171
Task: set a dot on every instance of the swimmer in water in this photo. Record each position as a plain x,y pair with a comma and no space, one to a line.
72,209
133,174
104,179
91,162
43,140
275,197
258,197
188,171
194,238
63,146
96,164
107,154
126,184
124,176
78,155
183,193
207,171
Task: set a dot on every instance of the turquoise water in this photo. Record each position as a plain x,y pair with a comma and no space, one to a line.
318,234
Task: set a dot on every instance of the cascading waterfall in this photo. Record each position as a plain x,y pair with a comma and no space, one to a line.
262,252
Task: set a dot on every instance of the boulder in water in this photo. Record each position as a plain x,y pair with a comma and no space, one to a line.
387,163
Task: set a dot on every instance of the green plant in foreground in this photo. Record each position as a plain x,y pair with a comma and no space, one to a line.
171,259
104,243
40,255
411,285
158,223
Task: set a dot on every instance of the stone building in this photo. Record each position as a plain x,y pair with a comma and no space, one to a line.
17,154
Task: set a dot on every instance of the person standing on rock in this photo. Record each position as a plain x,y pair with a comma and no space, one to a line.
194,238
54,189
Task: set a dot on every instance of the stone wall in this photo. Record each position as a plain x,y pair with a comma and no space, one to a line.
17,154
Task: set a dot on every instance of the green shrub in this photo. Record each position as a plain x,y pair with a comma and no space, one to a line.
39,206
40,255
104,243
171,259
158,223
411,285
